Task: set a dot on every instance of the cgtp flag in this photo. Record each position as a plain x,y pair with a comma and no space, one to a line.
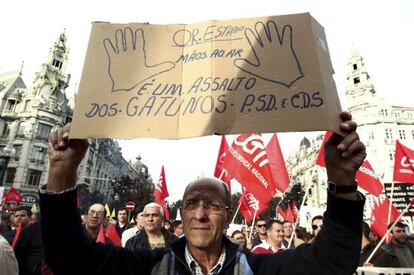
403,163
379,224
161,192
289,214
295,210
368,180
249,205
112,234
248,163
280,214
277,164
320,159
219,170
101,235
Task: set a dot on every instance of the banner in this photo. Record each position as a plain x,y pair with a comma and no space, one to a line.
219,171
250,205
368,179
384,271
277,164
403,164
266,74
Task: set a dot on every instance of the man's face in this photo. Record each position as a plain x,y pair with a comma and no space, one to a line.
140,221
316,226
178,230
204,214
399,235
21,216
152,220
95,216
122,216
287,229
275,234
261,228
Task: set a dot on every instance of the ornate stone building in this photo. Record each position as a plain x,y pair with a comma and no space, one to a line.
380,124
27,115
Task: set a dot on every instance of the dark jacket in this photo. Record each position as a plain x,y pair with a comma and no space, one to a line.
381,258
390,248
141,240
336,250
29,250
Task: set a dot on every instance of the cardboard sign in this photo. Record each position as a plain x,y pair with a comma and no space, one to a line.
268,74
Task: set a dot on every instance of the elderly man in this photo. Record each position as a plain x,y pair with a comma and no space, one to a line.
94,219
205,214
153,235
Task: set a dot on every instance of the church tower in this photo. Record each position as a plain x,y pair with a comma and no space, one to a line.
359,89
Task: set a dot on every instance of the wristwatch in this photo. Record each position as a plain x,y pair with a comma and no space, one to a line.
334,188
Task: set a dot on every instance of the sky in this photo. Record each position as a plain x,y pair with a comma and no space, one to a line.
380,30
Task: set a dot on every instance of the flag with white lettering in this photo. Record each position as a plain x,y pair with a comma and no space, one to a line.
219,171
379,222
277,164
368,180
247,162
161,193
249,205
403,164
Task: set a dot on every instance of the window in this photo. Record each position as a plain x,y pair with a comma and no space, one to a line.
38,155
355,66
33,178
6,130
391,154
412,133
384,112
18,151
371,135
402,134
20,131
56,63
10,175
11,103
43,131
26,106
388,133
356,80
397,114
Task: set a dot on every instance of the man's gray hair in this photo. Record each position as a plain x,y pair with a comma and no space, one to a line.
154,205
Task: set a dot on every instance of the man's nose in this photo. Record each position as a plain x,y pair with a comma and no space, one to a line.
200,212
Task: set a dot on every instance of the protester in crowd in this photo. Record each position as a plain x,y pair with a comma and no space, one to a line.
205,213
122,223
381,257
167,225
153,235
260,235
21,215
94,219
317,223
239,238
287,234
5,223
399,246
274,242
177,228
131,232
8,262
303,235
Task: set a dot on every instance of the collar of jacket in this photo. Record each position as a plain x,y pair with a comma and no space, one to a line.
178,247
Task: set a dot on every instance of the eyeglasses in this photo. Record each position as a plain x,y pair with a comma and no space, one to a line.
93,213
316,226
209,206
261,225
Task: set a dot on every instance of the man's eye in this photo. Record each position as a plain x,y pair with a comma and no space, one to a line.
190,205
213,205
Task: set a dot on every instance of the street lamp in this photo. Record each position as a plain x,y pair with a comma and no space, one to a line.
7,153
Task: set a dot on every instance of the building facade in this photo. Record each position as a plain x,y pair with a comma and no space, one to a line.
28,114
380,124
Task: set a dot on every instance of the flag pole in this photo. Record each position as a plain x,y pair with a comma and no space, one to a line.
390,206
388,232
295,224
237,211
251,229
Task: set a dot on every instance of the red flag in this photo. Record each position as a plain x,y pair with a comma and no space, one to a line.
320,159
161,192
280,215
219,170
277,164
112,234
379,224
295,210
289,214
247,162
101,235
17,234
368,180
249,205
404,164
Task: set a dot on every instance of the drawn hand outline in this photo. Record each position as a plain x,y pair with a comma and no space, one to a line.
268,38
128,40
